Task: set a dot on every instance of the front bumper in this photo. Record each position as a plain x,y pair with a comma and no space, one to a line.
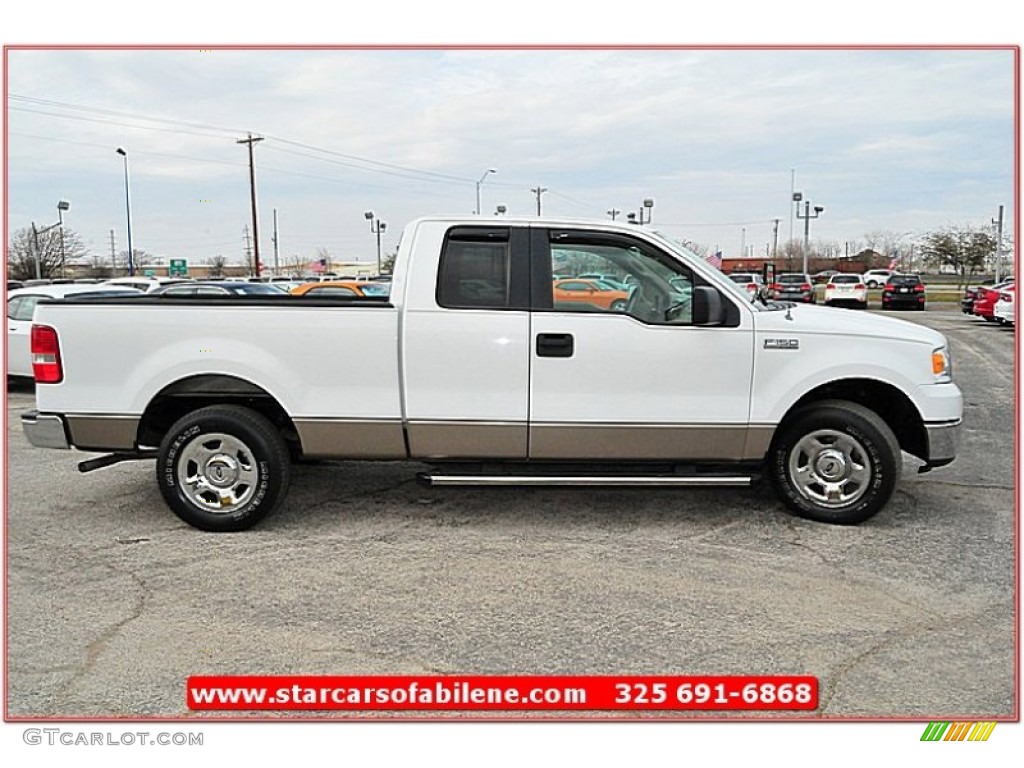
45,430
943,442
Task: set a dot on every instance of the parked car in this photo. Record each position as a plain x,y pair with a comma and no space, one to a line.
752,281
794,286
1003,309
219,288
846,288
21,304
144,283
824,275
985,300
967,302
613,281
343,288
904,291
593,292
876,278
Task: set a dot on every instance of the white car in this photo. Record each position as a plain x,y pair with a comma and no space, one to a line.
876,278
752,281
846,288
1003,309
144,283
21,304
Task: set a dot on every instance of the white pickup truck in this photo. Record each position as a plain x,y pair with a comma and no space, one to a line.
490,363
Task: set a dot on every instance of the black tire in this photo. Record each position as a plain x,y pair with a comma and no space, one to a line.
840,449
239,461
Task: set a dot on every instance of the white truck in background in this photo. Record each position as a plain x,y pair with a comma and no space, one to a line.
478,366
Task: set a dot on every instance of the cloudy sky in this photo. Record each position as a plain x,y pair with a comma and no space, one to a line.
903,141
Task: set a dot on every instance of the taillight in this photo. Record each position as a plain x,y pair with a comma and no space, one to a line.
805,287
919,288
751,287
776,286
46,365
859,287
889,287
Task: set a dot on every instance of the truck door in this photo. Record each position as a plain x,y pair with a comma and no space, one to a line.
633,381
466,343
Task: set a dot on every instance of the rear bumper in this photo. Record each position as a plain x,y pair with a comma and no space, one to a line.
45,430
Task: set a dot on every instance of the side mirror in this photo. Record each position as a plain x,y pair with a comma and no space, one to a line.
707,306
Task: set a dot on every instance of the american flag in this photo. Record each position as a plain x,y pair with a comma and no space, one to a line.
714,259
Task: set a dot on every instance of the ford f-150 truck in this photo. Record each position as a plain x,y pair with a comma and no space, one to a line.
477,367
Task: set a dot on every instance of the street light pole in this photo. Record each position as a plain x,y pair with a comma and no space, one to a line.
486,173
807,225
128,211
62,206
376,227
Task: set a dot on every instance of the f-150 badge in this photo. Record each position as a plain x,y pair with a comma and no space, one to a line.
782,343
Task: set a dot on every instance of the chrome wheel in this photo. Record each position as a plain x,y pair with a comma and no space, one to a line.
830,468
218,473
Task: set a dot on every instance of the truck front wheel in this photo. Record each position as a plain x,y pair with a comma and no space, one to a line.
836,462
223,468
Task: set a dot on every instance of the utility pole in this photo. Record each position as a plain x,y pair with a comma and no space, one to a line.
276,265
538,191
113,256
252,193
775,239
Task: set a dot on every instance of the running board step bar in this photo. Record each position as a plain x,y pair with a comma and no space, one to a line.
695,481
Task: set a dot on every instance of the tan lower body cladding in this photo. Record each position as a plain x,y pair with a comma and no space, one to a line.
510,441
386,439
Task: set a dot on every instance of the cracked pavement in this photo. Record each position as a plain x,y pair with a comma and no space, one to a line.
113,602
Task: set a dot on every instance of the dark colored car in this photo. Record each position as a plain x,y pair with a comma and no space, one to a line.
967,302
905,291
794,286
985,300
223,288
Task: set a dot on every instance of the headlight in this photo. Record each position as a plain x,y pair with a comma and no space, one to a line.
942,365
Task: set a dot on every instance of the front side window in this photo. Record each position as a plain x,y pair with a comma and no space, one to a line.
648,286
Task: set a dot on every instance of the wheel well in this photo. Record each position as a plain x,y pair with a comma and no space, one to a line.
889,402
194,392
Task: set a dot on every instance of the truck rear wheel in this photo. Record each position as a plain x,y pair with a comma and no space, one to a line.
836,462
223,468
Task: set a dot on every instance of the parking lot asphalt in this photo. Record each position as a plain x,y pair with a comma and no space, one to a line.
113,602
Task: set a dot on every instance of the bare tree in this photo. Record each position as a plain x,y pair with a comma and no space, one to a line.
53,254
965,250
216,265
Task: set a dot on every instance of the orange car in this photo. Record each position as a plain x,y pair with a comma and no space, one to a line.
592,292
343,288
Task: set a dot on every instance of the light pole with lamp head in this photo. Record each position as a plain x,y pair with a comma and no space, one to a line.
376,227
648,204
806,216
128,212
486,174
62,206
